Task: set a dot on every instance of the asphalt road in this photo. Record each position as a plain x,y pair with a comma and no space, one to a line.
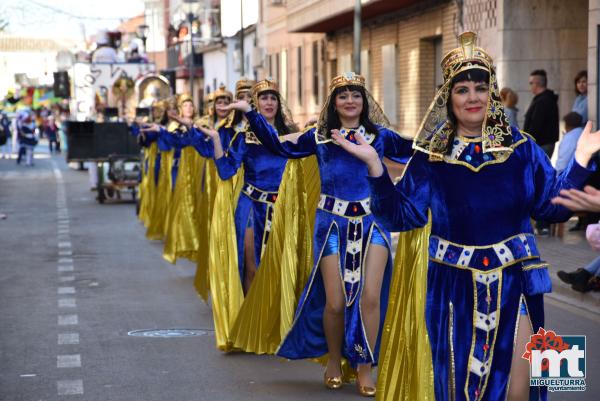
76,277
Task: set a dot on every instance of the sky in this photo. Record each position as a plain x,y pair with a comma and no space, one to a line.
230,15
66,18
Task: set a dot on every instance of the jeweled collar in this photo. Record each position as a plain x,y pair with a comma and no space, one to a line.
349,133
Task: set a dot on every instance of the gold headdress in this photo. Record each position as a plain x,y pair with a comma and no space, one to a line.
269,84
222,92
436,133
243,85
376,114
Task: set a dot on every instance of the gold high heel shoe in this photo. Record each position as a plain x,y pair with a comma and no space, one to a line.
365,391
332,383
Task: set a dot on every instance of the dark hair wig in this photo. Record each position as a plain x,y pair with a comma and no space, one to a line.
280,125
333,119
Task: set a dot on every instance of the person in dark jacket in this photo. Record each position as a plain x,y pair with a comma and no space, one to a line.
541,119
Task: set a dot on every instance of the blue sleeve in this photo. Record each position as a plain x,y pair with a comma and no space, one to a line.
202,143
269,137
134,130
402,207
231,161
547,184
165,140
395,147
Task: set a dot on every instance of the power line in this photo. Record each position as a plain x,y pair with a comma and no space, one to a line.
63,12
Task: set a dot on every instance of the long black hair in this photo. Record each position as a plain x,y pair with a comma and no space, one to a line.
280,125
476,75
333,119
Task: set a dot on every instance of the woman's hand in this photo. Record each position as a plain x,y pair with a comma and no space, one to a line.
363,151
150,128
240,105
211,133
181,120
587,200
587,145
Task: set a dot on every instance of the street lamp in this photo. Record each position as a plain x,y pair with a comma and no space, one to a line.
189,8
142,33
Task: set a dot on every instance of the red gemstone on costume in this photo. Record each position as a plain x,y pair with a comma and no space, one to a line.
477,393
486,261
355,209
477,148
486,347
274,198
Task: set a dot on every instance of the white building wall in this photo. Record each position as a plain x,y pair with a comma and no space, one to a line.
215,72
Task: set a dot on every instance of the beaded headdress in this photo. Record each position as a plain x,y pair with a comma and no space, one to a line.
222,92
376,114
243,85
269,84
436,133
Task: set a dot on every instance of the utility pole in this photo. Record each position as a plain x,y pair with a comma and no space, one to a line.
191,67
357,35
242,63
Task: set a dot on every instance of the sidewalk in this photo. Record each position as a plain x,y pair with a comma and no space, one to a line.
569,253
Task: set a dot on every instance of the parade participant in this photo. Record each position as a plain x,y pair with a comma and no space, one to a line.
482,181
262,175
343,304
149,162
27,137
158,216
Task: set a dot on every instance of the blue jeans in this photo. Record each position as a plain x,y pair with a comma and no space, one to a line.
594,267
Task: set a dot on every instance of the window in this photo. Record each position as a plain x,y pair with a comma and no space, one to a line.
345,64
299,78
315,72
437,51
390,88
283,74
365,67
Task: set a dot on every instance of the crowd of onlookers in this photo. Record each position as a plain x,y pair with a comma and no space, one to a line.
20,133
541,120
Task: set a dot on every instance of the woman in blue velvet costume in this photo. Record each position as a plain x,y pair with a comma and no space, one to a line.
482,181
262,175
343,305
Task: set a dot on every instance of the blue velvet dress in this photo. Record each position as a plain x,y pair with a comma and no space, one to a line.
262,175
483,258
344,206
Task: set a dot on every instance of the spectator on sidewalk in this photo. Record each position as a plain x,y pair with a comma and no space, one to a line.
541,121
541,118
5,135
51,132
510,99
583,280
581,105
567,146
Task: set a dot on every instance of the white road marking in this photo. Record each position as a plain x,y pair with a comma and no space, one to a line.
68,361
68,338
67,303
28,375
65,252
68,320
65,268
66,279
69,387
66,290
64,244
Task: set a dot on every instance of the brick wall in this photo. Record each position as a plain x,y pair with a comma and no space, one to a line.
413,36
